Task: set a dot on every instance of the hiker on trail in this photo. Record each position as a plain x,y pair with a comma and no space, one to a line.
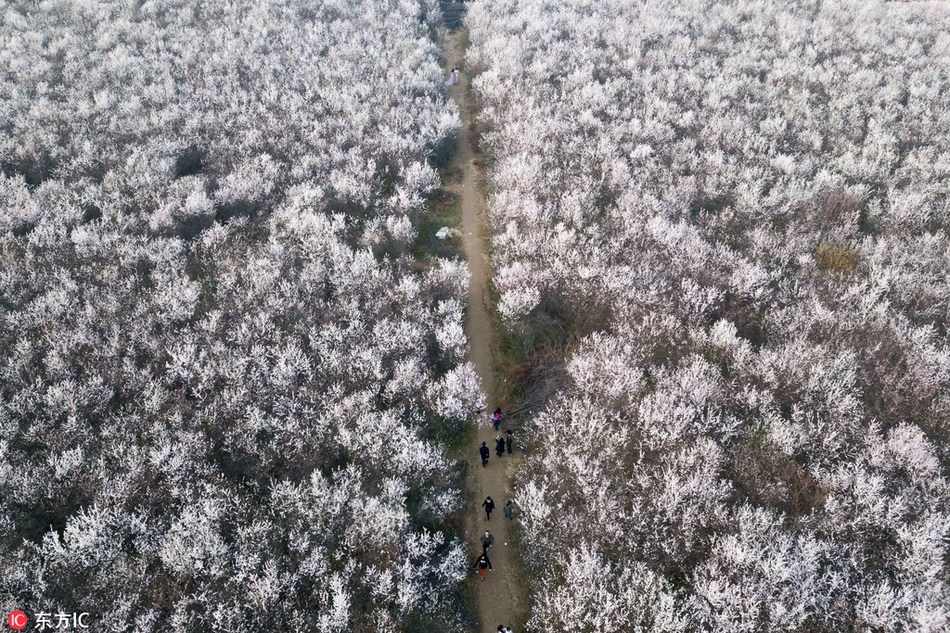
499,446
508,440
487,541
509,509
496,417
485,453
481,563
489,505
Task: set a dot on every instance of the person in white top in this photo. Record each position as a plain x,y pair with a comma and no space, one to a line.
453,77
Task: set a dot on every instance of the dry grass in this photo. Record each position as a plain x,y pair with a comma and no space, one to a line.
836,259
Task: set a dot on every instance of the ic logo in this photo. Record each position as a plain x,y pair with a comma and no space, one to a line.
17,620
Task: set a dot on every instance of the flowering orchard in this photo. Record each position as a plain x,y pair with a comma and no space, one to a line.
224,385
732,218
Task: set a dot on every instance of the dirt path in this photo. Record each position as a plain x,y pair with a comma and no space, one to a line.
499,596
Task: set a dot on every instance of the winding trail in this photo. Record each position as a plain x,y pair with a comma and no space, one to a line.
500,596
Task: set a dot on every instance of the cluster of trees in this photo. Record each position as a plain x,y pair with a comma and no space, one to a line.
224,384
733,219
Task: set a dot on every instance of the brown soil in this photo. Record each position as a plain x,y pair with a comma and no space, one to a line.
501,598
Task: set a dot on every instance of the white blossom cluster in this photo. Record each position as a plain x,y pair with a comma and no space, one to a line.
735,218
225,386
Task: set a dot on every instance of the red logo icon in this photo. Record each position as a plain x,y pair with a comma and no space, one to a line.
17,620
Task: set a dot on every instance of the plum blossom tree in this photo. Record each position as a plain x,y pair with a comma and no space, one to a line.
731,219
224,384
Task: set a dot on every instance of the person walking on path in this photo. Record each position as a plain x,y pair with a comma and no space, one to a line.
504,629
508,440
481,563
496,417
489,505
509,509
487,541
499,446
485,453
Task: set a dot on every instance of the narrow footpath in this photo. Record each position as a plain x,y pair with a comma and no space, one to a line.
500,596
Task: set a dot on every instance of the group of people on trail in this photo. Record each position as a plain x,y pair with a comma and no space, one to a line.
483,561
489,505
453,78
502,445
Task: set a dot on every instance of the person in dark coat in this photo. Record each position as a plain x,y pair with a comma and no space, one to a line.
485,453
508,435
509,509
487,541
481,563
489,505
499,446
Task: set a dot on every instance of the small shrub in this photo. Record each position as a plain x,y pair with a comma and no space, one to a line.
766,477
836,258
838,208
